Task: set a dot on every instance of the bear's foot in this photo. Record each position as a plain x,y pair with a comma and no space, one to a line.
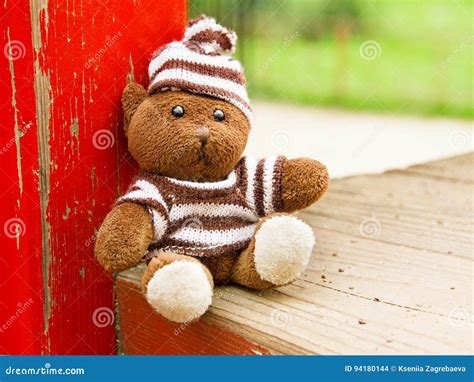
283,246
277,255
178,287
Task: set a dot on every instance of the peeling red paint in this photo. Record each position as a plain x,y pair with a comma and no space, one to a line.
63,112
144,332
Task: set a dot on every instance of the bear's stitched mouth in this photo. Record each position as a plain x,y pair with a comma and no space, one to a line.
200,156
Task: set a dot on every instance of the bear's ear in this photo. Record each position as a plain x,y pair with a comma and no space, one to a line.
132,96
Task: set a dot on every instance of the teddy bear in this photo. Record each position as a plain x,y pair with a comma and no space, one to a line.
199,213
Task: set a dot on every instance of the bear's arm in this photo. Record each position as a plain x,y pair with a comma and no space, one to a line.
303,182
123,237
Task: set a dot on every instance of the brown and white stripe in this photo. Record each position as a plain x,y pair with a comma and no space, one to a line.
205,30
263,190
199,63
209,219
147,194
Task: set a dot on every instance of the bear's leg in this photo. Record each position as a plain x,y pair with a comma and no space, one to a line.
276,255
178,287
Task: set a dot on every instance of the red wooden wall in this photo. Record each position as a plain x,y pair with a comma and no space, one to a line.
63,160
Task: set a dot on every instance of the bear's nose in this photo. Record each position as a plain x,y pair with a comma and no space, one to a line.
202,133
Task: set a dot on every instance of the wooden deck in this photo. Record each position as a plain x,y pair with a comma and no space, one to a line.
392,273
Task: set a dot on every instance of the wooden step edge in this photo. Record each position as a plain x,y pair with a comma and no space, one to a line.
141,331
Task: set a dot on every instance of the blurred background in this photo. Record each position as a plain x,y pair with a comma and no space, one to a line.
405,56
311,62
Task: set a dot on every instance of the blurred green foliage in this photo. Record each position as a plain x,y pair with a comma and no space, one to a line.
396,56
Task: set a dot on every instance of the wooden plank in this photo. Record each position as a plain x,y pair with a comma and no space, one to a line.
155,335
457,169
21,283
391,272
73,61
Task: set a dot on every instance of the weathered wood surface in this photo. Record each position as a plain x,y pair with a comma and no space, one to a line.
391,273
64,160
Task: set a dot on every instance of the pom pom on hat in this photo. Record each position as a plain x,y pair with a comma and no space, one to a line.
210,36
201,63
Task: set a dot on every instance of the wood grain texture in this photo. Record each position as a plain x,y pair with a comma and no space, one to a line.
142,332
391,272
63,160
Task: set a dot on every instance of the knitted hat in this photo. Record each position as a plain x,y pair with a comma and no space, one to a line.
201,63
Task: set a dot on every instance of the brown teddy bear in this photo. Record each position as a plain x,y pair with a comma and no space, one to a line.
199,213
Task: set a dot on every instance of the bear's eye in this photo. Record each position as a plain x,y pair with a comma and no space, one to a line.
177,111
219,115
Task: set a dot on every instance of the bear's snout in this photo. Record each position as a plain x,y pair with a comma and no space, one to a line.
202,133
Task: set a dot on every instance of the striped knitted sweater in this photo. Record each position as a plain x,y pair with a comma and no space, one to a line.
209,219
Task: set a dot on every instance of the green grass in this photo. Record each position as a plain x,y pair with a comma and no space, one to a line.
425,65
405,78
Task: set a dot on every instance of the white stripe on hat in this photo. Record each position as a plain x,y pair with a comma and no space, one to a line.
216,83
178,51
200,79
209,23
203,24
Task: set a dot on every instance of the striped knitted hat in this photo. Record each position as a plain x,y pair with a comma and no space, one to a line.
201,63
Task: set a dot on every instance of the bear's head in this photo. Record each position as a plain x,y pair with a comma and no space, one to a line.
193,121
